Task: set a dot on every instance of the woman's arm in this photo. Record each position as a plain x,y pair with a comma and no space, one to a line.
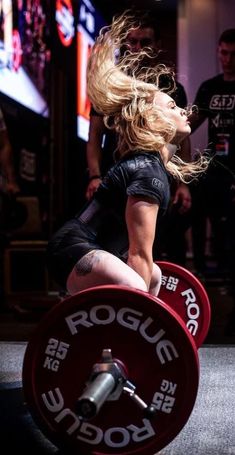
141,217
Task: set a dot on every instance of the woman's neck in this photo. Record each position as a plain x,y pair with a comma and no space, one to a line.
168,151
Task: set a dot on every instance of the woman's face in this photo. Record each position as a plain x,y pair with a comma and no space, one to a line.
175,114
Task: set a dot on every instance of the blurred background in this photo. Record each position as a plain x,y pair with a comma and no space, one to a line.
44,47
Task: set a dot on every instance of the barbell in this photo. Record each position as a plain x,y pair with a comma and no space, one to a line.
113,370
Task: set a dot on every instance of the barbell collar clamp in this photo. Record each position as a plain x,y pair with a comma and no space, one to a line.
149,410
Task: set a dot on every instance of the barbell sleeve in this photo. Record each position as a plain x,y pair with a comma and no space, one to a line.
95,395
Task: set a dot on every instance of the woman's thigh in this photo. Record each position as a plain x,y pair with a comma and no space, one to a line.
99,267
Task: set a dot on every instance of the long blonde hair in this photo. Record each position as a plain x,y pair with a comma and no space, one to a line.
123,91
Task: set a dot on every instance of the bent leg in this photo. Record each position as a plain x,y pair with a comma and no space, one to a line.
98,268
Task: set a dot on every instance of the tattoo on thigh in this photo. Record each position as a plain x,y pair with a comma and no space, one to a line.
84,266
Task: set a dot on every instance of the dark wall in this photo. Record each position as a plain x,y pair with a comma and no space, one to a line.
29,135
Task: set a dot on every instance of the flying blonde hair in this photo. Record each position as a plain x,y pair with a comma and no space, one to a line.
123,91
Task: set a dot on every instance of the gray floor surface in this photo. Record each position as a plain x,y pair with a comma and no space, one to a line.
210,429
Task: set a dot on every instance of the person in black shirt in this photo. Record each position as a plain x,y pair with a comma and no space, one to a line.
110,241
213,194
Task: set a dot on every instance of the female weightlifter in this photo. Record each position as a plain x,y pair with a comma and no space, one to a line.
110,240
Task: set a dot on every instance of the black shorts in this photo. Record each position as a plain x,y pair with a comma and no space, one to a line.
67,246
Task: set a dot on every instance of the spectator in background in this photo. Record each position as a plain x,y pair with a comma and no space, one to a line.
100,156
213,196
8,189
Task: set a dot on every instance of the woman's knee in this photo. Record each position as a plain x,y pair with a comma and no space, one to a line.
155,280
133,280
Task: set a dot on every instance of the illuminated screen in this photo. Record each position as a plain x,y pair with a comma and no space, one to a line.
24,52
89,24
